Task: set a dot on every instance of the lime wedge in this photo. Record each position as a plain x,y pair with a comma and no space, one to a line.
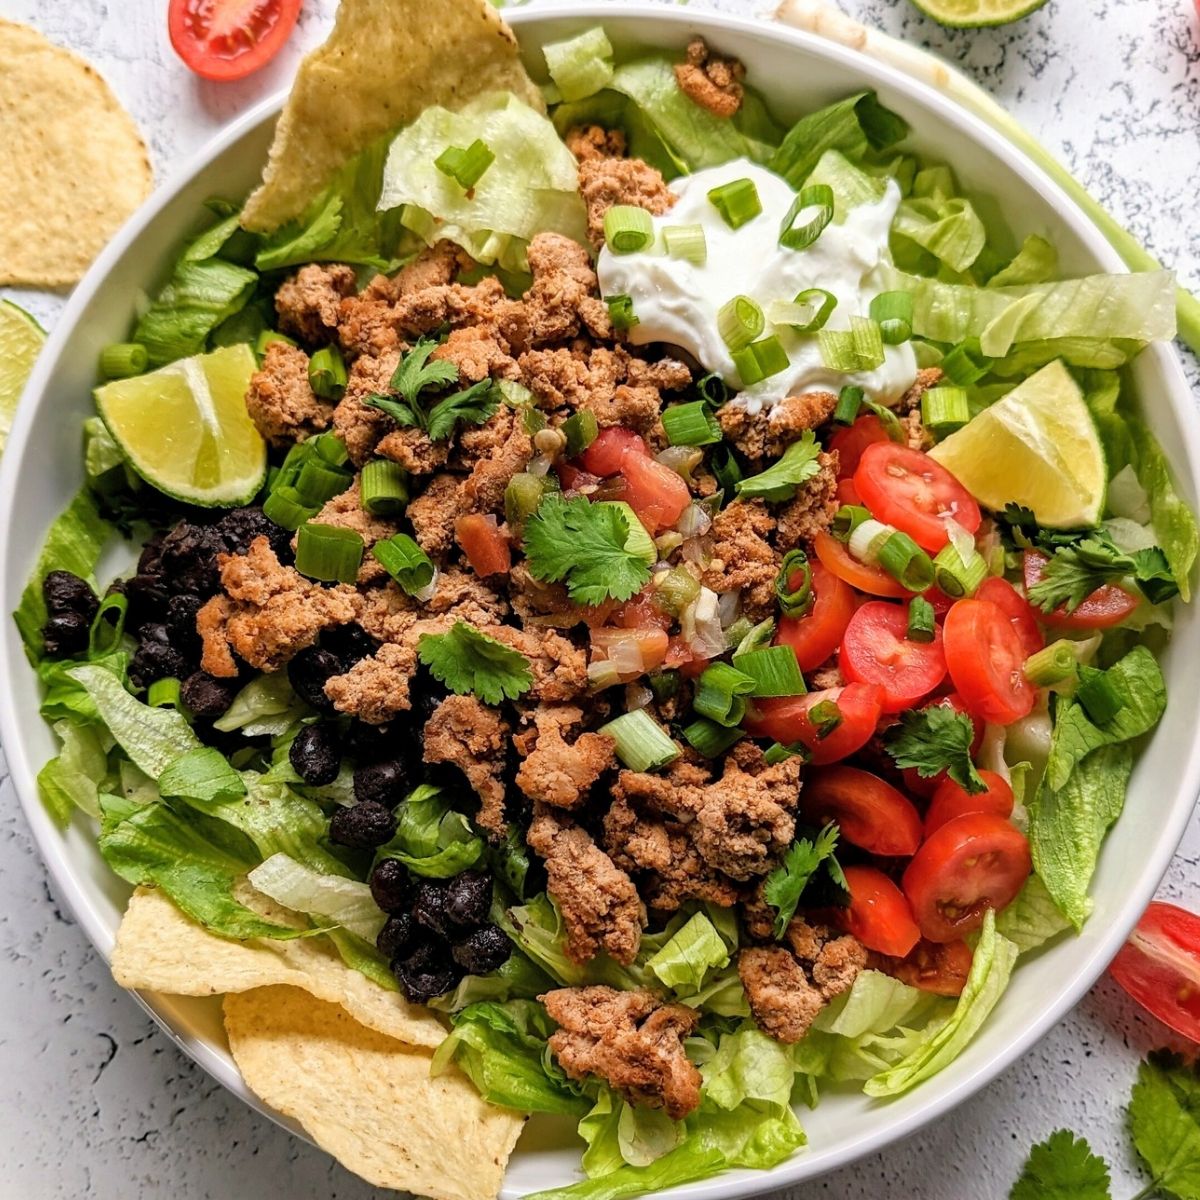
185,429
971,14
21,338
1036,447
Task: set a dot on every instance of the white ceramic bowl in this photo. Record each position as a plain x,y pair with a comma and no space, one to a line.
797,72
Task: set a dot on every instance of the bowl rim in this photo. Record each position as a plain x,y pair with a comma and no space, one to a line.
812,1162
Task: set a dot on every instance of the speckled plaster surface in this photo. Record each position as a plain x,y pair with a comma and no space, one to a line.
94,1100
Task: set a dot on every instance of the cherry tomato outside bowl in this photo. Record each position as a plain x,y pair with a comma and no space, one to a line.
225,40
1159,966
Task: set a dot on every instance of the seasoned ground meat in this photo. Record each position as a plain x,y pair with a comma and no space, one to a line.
308,302
710,81
592,141
556,771
604,182
280,402
812,509
362,427
468,735
345,511
632,1040
770,431
927,377
742,558
559,667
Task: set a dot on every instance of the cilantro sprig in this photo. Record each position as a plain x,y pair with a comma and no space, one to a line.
785,885
936,739
780,480
468,661
583,545
416,375
1063,1167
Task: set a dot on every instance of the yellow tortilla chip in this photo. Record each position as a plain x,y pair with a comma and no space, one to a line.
385,62
161,950
75,166
368,1099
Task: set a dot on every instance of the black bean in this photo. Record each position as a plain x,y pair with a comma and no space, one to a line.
398,936
469,899
369,743
156,658
67,593
429,907
181,622
482,950
392,886
240,526
425,974
362,826
349,644
315,753
386,782
66,633
207,696
189,558
147,595
309,671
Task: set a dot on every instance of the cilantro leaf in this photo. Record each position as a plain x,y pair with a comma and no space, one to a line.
415,372
402,413
1062,1167
780,480
466,660
1163,1112
784,885
583,544
935,739
1154,576
1075,572
473,405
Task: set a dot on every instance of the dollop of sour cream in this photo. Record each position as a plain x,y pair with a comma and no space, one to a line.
677,301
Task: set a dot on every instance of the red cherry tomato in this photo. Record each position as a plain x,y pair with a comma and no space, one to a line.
871,814
913,780
605,455
879,915
851,441
987,662
933,967
229,39
972,863
483,543
950,801
817,634
656,493
787,720
1160,967
907,489
873,580
1106,606
876,650
847,493
1017,609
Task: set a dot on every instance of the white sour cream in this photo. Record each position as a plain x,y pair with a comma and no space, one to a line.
677,301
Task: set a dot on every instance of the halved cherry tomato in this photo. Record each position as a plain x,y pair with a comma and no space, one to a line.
605,455
938,601
870,813
972,863
1106,606
851,441
787,720
1017,609
229,39
907,489
483,543
873,580
649,642
817,634
879,915
913,780
1160,967
876,649
656,493
950,801
987,662
934,967
847,493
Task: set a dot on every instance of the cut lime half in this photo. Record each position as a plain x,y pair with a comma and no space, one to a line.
185,429
971,14
1036,447
21,338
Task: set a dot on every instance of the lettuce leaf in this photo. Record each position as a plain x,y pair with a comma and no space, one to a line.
1032,918
431,838
73,779
619,1134
1035,262
266,707
518,979
690,954
1174,522
851,186
688,1162
202,776
949,229
335,899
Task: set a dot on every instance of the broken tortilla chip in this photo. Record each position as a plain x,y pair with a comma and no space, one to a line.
385,62
161,950
367,1099
75,165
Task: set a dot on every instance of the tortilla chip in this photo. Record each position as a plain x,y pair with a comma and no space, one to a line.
161,950
369,1100
385,62
75,164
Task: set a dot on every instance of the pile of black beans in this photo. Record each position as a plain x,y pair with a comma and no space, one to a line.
71,607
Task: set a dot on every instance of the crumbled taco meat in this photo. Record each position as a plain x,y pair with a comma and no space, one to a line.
345,511
713,82
742,558
308,302
916,436
632,1040
362,427
483,489
432,514
592,141
559,666
469,735
927,377
411,449
768,432
556,771
466,597
812,509
833,960
282,405
604,182
376,688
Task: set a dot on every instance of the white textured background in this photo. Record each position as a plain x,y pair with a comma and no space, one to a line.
96,1103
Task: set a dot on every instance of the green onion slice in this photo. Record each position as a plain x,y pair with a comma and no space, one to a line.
965,363
737,202
686,242
383,488
760,360
906,562
405,562
945,409
815,203
807,313
465,165
642,744
285,507
331,448
720,694
713,389
710,739
777,752
327,373
726,468
123,359
957,575
628,229
922,625
774,670
691,424
794,601
317,481
825,717
850,400
1055,663
620,312
268,336
328,553
740,321
893,313
847,519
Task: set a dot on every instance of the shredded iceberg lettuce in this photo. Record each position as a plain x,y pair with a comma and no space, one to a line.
337,900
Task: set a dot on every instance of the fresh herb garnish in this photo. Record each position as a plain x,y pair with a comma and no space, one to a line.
780,481
1062,1167
784,885
1074,572
936,739
466,660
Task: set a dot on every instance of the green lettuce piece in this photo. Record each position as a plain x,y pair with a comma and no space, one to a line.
1080,352
690,954
948,229
502,1049
431,838
1032,918
65,698
1174,522
722,995
73,779
1035,262
73,543
202,776
851,186
518,979
749,1068
361,955
266,707
875,1003
619,1134
334,899
991,967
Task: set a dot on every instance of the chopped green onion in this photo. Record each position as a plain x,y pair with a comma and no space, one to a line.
328,553
847,519
327,373
331,448
889,421
965,363
712,389
858,349
1101,701
108,625
642,744
774,670
164,693
686,242
465,165
906,562
1054,664
794,601
945,409
922,627
893,313
850,400
737,202
760,360
123,360
868,342
664,685
691,425
267,337
580,66
620,312
317,481
740,321
738,631
866,538
777,752
807,313
720,692
405,562
522,497
754,638
285,507
817,196
628,229
383,488
726,468
581,430
675,590
825,717
956,576
709,739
